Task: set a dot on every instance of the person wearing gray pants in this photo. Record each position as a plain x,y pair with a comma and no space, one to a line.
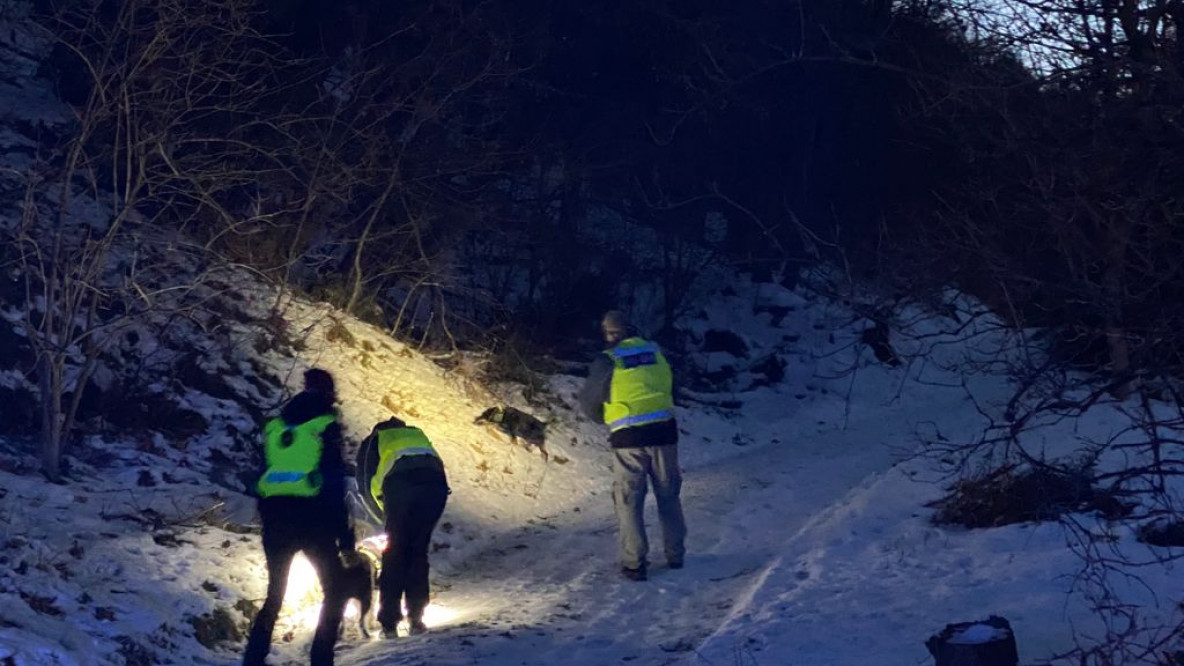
630,389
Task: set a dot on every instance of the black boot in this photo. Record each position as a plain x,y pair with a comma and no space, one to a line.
637,574
390,625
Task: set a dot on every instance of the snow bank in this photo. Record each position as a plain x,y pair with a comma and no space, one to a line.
978,634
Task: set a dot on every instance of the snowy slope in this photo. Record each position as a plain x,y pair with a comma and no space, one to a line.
120,488
869,578
153,530
809,543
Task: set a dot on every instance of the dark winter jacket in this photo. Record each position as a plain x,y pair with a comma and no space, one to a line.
596,392
407,472
327,511
407,468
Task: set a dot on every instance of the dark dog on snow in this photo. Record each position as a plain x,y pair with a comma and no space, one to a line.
359,582
518,425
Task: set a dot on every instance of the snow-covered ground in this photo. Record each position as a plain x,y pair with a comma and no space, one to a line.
809,541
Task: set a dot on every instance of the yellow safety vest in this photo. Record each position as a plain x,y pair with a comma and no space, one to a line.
293,456
641,391
395,443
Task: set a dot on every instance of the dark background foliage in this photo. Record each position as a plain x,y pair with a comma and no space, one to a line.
522,166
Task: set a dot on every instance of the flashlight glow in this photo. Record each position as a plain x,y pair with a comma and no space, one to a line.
302,596
377,543
436,615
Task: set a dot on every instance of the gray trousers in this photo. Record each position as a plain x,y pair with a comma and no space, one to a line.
632,468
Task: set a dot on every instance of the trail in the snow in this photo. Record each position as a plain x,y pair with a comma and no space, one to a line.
550,593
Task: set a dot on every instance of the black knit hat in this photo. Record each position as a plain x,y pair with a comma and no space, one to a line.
392,422
319,381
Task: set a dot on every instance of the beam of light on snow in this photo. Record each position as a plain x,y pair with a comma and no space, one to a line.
436,615
302,597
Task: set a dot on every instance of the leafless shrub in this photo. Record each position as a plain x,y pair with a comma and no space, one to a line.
100,239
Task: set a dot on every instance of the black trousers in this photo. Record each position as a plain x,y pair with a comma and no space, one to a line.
284,536
413,505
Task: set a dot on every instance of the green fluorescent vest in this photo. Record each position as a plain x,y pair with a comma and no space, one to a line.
642,386
293,455
395,443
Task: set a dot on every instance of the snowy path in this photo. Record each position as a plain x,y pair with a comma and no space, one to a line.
550,593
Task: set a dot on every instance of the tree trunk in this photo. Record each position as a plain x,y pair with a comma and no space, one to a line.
1113,283
51,422
1120,361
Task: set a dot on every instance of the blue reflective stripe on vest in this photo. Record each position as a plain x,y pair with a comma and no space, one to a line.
285,477
625,352
652,417
417,451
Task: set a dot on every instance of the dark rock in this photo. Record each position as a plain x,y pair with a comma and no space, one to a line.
133,411
717,378
169,540
248,608
18,410
190,373
135,654
15,351
1163,534
68,73
772,368
214,629
728,342
42,605
947,650
878,338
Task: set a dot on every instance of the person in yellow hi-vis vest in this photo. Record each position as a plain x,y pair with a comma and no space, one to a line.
630,389
402,477
302,505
